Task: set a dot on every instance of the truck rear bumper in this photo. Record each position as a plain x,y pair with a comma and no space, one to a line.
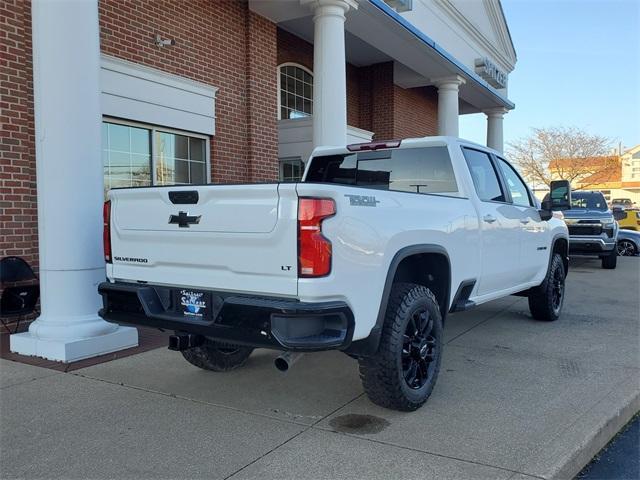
264,322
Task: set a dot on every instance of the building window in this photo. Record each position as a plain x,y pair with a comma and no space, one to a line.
291,169
296,91
138,155
179,159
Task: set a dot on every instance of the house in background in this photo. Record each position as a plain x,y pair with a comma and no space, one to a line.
115,93
616,176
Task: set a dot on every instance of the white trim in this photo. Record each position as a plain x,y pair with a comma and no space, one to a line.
132,69
507,58
151,96
294,64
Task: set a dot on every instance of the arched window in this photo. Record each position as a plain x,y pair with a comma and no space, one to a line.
296,91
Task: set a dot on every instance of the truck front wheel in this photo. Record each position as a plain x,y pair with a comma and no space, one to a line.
610,261
217,356
403,372
545,301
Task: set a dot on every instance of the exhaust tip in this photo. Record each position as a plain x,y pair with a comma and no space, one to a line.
281,364
286,359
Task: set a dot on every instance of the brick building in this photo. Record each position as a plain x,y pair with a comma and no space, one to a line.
110,93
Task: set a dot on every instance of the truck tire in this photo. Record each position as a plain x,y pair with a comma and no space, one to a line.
545,301
610,261
402,373
217,356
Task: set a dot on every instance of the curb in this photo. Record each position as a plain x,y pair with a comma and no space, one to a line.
577,445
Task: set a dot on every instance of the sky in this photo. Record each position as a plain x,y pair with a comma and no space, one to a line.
578,66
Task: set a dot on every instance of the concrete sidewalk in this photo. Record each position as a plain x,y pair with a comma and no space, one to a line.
515,399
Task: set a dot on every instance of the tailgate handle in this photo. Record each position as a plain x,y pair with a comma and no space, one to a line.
184,197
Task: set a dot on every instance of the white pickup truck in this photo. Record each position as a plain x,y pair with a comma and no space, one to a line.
367,254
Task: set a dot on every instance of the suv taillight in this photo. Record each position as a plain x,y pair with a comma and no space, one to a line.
106,230
314,250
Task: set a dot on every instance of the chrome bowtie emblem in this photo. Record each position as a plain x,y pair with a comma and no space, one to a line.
183,219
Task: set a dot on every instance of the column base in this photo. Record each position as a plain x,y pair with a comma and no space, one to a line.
70,350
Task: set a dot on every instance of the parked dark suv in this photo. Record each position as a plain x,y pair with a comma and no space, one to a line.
592,229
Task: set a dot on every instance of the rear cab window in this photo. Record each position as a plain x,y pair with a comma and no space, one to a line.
484,175
424,170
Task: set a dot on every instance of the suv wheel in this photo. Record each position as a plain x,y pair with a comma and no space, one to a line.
545,301
217,356
403,372
610,261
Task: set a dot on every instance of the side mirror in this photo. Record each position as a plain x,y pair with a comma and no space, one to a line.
559,196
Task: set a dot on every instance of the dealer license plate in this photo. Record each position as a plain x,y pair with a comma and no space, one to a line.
194,303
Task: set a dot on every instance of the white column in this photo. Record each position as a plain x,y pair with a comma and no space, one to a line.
66,69
495,138
329,71
448,88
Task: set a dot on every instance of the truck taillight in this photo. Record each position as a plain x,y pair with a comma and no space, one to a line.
314,250
106,230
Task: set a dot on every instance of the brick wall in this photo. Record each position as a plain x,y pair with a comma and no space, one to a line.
211,47
381,100
18,209
294,49
415,112
262,98
391,111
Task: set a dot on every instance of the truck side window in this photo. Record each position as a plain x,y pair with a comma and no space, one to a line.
519,192
484,176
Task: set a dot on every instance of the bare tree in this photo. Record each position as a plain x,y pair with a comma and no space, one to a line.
564,153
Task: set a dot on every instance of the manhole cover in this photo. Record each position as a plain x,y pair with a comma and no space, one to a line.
358,424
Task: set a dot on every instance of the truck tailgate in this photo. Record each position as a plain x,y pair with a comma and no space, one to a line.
233,237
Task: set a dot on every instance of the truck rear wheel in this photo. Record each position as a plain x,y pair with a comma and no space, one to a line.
610,261
217,356
403,372
545,301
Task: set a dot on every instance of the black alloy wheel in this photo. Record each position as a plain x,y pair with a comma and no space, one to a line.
419,349
545,300
557,290
402,373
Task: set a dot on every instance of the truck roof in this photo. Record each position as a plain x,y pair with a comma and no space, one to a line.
430,141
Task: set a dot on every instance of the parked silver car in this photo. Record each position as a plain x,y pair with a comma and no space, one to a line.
628,243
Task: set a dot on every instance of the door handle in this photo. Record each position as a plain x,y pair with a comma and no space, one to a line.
489,218
524,221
